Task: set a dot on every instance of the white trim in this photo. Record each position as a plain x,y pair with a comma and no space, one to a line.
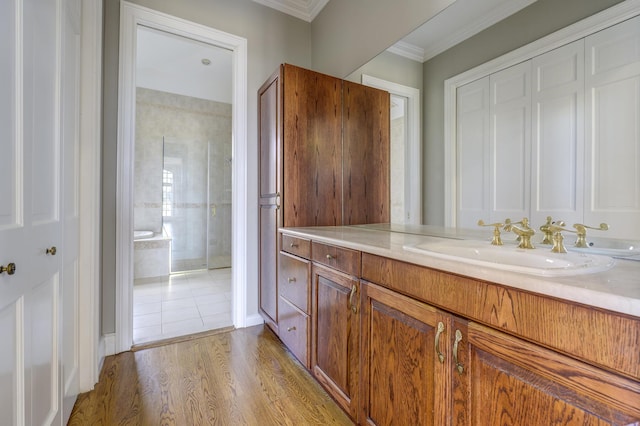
89,208
408,50
132,16
413,152
305,10
614,15
107,345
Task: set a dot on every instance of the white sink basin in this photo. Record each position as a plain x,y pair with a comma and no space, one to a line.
539,261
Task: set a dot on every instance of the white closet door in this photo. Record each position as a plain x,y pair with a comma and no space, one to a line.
473,130
613,138
510,142
557,170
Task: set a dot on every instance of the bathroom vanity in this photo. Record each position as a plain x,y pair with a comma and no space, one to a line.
399,332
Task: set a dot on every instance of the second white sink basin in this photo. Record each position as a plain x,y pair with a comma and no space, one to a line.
540,261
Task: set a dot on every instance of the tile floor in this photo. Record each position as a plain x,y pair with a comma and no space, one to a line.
180,304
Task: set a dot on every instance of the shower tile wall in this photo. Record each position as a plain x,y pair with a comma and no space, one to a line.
187,126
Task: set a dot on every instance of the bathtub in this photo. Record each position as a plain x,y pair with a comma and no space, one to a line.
142,235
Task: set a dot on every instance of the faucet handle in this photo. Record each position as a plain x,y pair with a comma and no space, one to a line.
548,234
496,240
581,231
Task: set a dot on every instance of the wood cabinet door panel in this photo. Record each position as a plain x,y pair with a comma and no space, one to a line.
312,133
366,160
403,381
335,335
512,382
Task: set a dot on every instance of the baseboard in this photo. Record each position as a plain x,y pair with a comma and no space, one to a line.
107,345
252,320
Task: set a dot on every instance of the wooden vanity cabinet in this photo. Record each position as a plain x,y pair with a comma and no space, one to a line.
404,372
335,325
488,376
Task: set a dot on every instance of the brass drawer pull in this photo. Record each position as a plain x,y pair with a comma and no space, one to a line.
52,251
437,344
293,245
291,279
329,257
291,328
459,366
354,308
10,269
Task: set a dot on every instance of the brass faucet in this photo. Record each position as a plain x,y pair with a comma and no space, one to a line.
581,232
548,233
524,232
496,241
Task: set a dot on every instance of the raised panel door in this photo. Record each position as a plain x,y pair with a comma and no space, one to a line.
499,379
510,142
312,150
335,335
612,149
557,170
405,360
270,215
366,154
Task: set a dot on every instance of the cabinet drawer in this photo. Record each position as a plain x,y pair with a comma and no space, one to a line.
293,281
298,246
339,258
293,326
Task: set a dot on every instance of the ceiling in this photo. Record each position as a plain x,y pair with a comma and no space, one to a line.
461,20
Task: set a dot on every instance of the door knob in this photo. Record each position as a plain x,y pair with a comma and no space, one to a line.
52,251
10,269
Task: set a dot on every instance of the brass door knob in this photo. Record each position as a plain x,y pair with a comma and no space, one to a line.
52,251
10,269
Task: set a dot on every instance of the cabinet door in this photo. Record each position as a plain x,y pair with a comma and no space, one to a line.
405,360
270,190
312,133
499,379
612,148
335,350
366,119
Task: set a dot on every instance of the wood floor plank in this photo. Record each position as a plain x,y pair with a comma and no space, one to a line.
242,377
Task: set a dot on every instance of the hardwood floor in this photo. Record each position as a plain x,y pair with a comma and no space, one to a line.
241,377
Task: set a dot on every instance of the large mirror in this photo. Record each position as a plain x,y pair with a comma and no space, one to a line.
490,34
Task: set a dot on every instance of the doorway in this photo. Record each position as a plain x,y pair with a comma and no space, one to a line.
183,121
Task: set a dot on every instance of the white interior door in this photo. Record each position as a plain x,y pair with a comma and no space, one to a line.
36,194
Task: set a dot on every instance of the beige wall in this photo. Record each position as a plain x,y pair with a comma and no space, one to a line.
538,20
347,34
272,38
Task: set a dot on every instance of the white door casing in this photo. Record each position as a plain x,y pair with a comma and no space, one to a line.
130,17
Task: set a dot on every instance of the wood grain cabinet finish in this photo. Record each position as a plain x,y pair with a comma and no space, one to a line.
294,330
293,281
342,259
324,160
335,335
403,378
296,246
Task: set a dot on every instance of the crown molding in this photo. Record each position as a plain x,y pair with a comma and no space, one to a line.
408,50
306,10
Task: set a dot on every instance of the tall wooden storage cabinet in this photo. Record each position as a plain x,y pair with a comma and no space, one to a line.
324,160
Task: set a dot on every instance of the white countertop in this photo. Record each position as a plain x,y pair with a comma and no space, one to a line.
617,289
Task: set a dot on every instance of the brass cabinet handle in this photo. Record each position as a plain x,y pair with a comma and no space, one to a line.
354,308
10,269
459,366
292,245
329,257
52,251
291,279
277,201
291,328
437,343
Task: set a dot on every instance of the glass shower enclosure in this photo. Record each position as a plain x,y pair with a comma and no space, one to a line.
196,202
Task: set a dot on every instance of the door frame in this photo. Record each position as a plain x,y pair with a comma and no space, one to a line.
413,154
130,17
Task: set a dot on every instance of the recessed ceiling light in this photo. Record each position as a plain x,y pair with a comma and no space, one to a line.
206,61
